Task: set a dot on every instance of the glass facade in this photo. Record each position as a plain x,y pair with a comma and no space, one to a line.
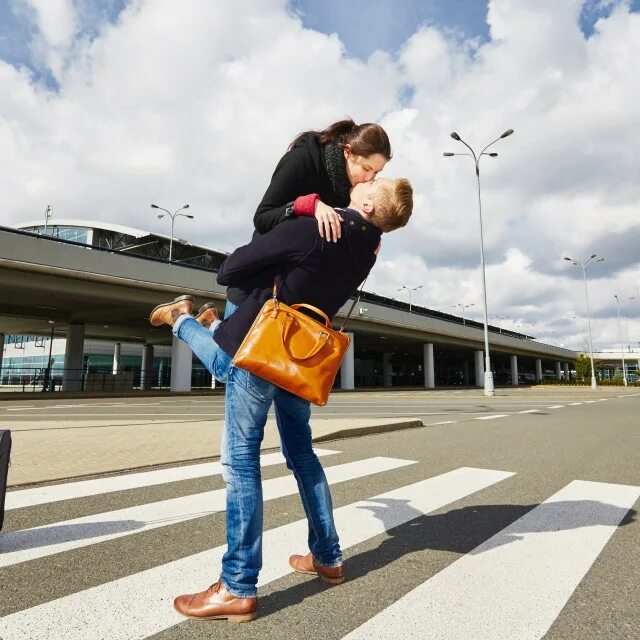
73,234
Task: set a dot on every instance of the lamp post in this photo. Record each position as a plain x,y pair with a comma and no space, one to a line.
173,216
463,307
501,318
489,389
586,295
404,286
624,369
525,326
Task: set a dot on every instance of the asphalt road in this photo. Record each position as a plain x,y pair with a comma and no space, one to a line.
508,528
431,406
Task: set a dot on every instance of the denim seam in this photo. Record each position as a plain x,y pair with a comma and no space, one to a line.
238,594
296,475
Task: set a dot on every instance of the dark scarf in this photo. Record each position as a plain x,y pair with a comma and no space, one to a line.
336,166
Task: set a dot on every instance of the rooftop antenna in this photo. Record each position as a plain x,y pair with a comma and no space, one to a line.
48,213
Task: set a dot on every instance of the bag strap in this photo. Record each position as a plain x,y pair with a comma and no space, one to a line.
355,302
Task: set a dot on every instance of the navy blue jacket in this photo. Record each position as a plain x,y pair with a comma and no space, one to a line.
310,269
301,171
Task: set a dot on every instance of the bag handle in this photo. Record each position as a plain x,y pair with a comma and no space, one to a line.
320,342
320,312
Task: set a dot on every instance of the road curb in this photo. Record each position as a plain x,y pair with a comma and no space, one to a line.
371,430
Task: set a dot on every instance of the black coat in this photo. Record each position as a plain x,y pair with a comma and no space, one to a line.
313,271
301,171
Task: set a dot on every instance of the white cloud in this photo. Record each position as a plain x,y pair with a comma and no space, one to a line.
196,101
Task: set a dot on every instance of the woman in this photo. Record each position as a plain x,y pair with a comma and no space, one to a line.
316,174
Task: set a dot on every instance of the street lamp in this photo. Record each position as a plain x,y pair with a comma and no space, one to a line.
525,326
173,216
624,370
488,374
463,307
586,295
501,318
404,286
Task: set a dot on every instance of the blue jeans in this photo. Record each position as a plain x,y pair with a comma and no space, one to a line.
248,399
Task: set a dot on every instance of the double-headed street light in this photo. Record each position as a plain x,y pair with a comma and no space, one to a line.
173,216
404,286
501,318
624,369
489,389
586,295
463,307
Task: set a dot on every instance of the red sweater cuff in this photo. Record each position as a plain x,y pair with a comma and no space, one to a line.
305,205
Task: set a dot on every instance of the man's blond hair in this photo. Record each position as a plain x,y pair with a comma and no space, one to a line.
392,204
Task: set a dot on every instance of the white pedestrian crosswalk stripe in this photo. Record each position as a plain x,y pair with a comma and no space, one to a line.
140,605
83,488
493,417
29,544
533,567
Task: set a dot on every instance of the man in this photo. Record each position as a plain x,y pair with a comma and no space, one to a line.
312,270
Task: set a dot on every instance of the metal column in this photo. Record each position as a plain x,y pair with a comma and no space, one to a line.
73,356
429,366
347,370
181,364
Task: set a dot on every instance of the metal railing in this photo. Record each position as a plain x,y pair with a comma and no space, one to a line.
39,379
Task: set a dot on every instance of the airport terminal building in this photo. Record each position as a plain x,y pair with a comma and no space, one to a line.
75,297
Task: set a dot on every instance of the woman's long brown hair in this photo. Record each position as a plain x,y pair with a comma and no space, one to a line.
364,139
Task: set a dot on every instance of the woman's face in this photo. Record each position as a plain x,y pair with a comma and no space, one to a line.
362,168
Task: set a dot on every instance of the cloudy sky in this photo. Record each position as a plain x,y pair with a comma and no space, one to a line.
109,105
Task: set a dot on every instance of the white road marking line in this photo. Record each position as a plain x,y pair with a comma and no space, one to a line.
530,411
574,404
28,544
590,401
84,488
433,424
499,415
139,605
533,567
556,406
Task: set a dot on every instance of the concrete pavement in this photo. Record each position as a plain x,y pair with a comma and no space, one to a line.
53,450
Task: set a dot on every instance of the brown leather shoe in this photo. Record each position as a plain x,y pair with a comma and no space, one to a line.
216,603
207,313
307,564
169,312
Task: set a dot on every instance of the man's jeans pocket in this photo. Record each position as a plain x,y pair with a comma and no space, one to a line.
257,387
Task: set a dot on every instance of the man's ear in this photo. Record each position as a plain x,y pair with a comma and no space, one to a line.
347,150
368,207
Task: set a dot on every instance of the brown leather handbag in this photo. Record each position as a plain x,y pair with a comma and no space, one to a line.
293,351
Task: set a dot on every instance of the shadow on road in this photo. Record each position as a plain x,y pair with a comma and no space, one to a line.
459,531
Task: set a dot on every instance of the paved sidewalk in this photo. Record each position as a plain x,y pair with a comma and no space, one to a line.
54,450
